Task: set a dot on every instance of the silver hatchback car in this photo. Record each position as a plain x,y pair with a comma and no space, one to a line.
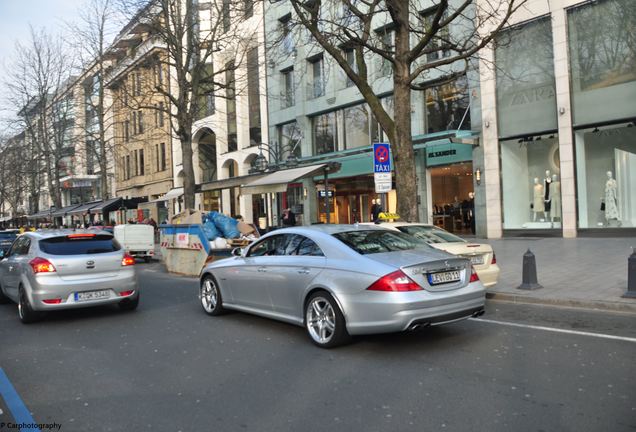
51,270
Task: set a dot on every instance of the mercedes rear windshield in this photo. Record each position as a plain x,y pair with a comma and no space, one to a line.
378,241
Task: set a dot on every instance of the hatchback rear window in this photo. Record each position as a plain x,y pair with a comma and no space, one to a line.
376,241
69,245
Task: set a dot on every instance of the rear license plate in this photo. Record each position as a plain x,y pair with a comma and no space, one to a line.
92,295
477,260
443,277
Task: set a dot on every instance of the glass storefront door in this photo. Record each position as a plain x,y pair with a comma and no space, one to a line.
452,197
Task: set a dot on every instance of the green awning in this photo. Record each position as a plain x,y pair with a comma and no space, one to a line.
351,166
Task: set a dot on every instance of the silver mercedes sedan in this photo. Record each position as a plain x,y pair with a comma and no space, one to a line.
343,280
50,270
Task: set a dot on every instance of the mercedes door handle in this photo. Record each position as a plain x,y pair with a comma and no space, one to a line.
262,269
304,271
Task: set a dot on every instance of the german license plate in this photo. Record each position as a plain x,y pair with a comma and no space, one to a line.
443,277
477,259
92,295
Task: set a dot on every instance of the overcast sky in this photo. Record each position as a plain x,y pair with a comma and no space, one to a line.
16,15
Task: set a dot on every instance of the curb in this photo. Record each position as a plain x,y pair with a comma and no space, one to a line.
582,304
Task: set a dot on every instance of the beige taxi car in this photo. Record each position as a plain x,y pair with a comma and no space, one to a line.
481,255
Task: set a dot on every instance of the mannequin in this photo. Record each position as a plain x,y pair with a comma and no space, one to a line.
555,192
547,197
611,205
538,203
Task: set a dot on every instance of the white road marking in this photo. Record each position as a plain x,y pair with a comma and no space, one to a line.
557,330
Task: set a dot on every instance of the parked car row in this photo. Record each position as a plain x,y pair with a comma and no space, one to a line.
336,281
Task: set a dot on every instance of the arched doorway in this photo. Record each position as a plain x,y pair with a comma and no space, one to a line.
255,204
205,140
206,144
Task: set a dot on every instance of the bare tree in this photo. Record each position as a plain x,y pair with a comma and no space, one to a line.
410,42
35,83
14,176
90,37
191,32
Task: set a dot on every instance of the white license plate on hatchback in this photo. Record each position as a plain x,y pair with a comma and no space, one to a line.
92,295
477,260
444,277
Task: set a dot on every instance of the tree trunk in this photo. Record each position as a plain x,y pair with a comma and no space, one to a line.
403,155
402,145
185,137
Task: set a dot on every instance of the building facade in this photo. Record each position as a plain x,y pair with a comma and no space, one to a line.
231,130
319,115
558,147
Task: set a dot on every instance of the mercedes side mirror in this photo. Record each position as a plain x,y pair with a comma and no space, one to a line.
237,252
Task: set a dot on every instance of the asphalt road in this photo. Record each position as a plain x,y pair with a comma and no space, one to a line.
170,367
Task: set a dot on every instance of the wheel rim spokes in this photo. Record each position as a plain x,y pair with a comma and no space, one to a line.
208,295
321,320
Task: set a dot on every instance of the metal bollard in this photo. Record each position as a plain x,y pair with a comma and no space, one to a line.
631,276
529,274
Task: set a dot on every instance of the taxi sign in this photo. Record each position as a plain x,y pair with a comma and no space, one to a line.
387,216
381,158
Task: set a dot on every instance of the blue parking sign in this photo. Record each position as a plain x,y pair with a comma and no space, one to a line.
381,158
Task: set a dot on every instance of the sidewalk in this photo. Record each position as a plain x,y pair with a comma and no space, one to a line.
582,272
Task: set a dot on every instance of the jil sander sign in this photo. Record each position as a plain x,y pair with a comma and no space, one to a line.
444,154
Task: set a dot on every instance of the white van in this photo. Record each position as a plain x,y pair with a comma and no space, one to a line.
137,240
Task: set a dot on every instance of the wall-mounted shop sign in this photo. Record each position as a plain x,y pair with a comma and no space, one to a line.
444,154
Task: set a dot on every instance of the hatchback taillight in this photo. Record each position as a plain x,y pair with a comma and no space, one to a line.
494,258
41,265
473,275
127,260
395,282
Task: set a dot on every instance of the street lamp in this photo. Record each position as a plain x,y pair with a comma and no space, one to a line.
275,153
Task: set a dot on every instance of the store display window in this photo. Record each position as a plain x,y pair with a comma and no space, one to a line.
531,183
606,176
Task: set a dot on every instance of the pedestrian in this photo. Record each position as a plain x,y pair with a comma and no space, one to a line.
376,209
289,218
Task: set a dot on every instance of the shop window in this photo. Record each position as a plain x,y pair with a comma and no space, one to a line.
290,140
606,177
232,138
254,96
438,46
288,96
356,126
526,95
318,80
531,183
447,106
602,60
325,133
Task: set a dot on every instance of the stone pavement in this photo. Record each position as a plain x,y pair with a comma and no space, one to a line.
582,272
